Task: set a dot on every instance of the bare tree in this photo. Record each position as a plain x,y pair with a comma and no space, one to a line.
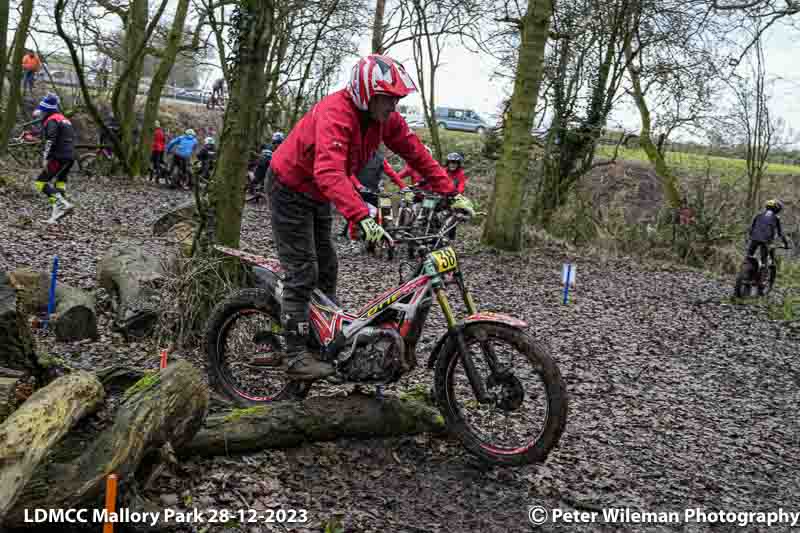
672,58
752,118
126,146
178,40
504,223
377,27
14,96
584,71
3,37
251,24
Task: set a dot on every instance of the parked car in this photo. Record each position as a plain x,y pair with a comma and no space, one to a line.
460,119
415,121
195,95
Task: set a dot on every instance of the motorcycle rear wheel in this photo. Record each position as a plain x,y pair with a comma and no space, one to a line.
240,327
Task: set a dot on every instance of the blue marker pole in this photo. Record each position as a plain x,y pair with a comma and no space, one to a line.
566,282
51,303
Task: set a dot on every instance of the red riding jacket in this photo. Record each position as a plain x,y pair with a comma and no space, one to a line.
459,179
158,141
326,150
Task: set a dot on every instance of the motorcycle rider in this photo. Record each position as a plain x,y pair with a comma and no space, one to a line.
315,167
764,228
207,157
455,169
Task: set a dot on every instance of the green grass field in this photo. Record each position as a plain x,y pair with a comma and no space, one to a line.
727,169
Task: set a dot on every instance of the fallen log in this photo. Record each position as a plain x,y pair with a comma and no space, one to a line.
27,436
16,342
289,424
163,408
181,213
8,396
74,318
132,278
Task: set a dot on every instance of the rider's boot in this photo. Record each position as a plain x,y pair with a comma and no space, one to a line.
61,207
301,364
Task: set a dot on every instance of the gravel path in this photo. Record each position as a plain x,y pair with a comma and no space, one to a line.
678,398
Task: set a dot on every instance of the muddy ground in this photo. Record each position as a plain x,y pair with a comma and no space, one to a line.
678,397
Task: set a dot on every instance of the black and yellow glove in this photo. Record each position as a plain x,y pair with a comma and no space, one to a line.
373,232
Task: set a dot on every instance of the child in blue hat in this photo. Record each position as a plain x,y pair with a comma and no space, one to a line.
58,157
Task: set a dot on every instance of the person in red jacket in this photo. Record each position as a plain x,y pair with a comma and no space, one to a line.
416,178
456,172
316,166
157,149
389,171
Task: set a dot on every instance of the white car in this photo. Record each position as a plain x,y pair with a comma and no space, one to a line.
415,121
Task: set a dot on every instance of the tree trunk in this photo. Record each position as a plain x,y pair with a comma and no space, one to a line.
377,27
16,343
132,278
28,434
248,92
503,227
3,38
161,76
14,90
125,105
288,424
164,409
668,179
74,318
8,396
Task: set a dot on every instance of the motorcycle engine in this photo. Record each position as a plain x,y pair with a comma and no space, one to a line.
376,355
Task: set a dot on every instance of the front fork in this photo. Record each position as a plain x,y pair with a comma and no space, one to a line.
478,387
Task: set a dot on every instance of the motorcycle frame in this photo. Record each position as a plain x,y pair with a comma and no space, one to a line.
335,328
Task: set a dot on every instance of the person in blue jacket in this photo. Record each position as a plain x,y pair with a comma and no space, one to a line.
184,148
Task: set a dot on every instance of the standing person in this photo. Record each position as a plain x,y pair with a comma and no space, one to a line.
217,91
58,156
157,149
31,65
314,168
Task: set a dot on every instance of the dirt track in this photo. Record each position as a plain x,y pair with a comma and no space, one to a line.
678,399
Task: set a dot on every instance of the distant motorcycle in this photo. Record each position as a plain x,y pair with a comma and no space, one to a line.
755,276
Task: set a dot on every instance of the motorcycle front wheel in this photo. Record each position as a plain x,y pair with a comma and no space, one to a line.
527,416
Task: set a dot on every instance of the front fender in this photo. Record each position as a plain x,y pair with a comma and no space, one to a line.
489,318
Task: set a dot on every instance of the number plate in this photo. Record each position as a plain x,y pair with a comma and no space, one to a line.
445,259
409,197
385,202
429,203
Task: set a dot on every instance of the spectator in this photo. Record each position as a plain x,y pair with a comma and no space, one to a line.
157,148
217,91
31,65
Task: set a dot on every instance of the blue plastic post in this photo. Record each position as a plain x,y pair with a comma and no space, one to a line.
566,282
51,303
